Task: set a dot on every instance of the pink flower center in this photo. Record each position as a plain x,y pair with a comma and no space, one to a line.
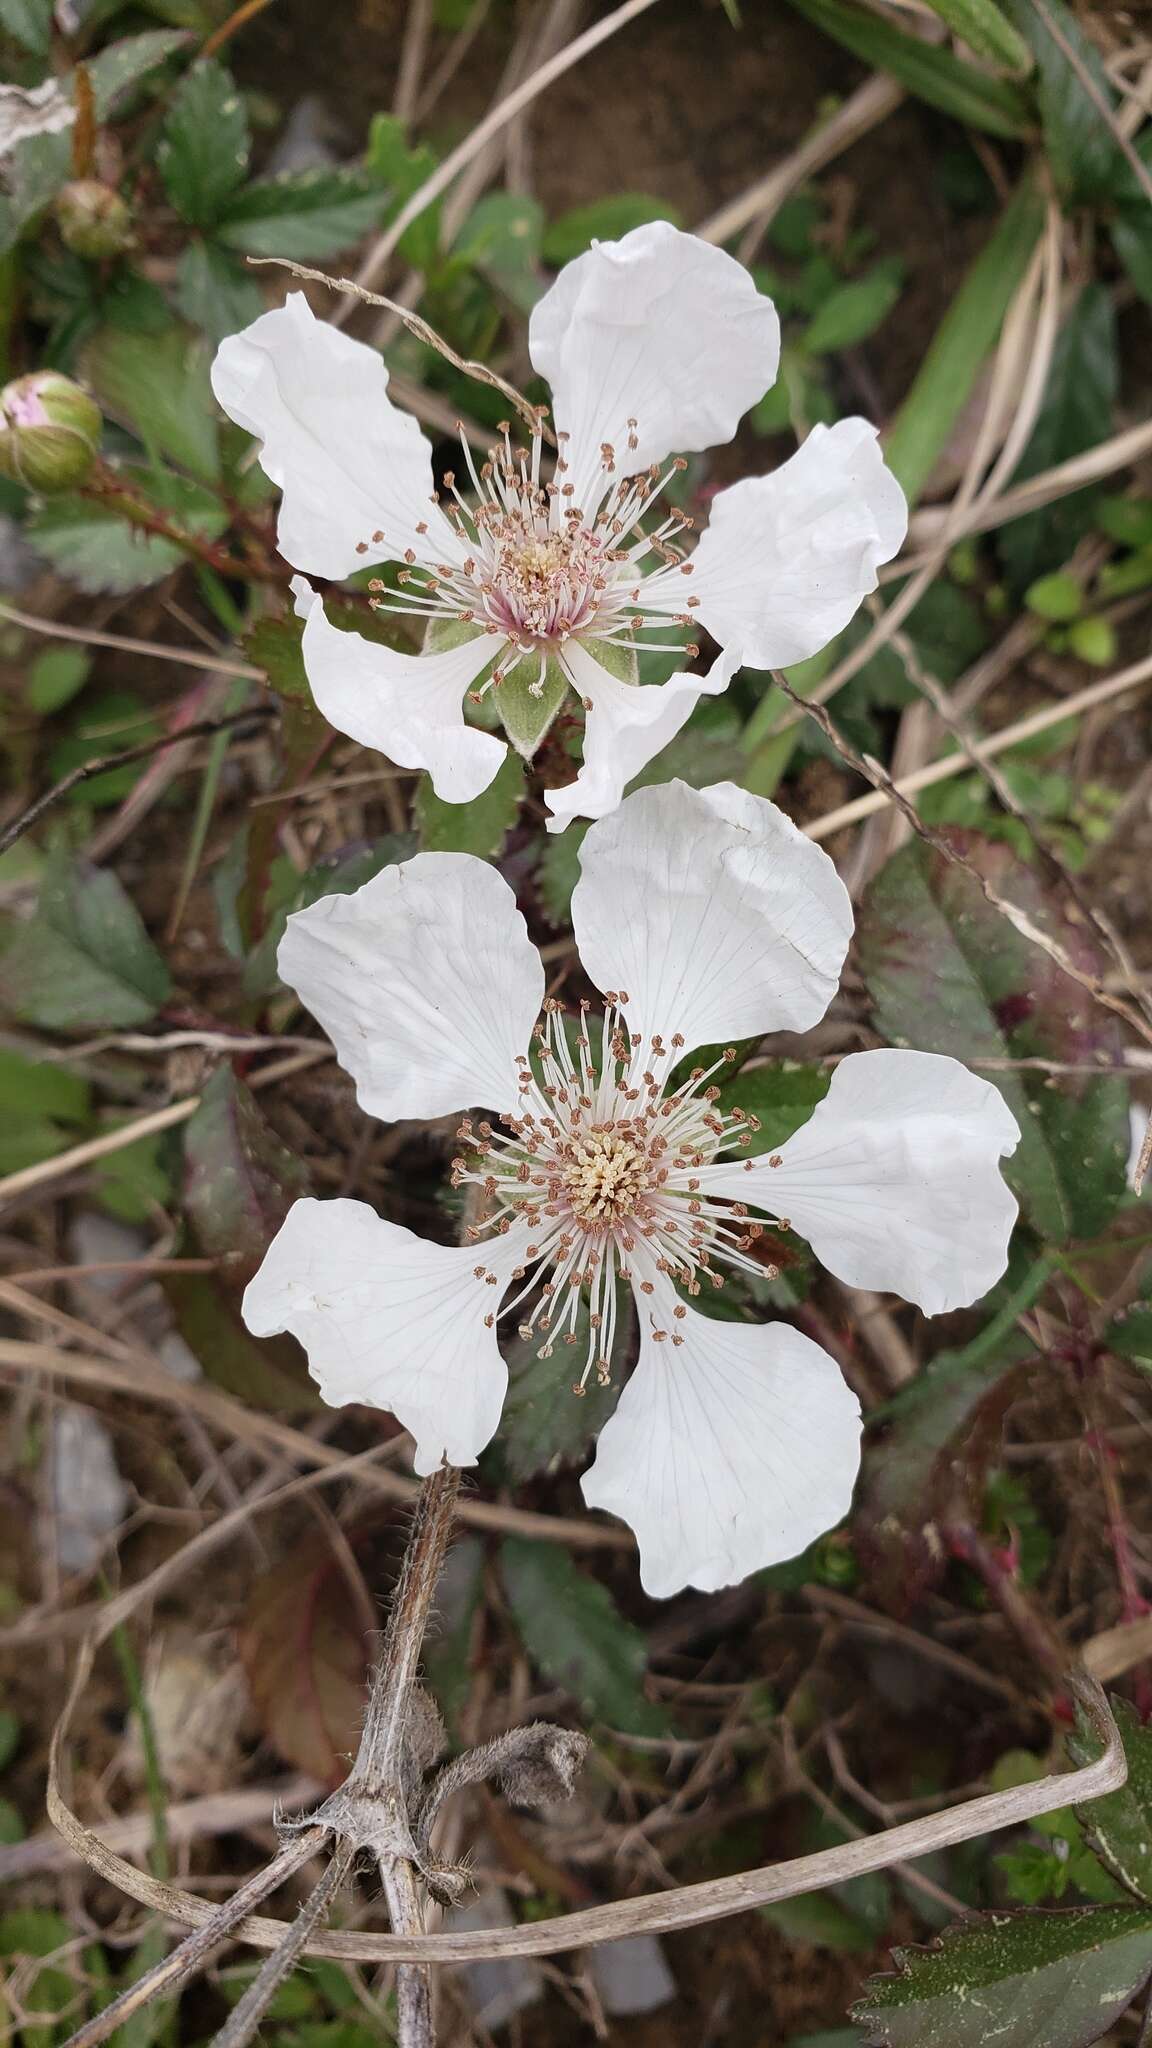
24,407
602,1164
534,569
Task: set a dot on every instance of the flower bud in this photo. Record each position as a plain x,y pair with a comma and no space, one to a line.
49,432
93,220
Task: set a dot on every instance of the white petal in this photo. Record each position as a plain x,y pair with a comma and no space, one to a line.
895,1180
426,982
409,706
626,725
349,464
787,559
392,1320
712,913
659,328
727,1453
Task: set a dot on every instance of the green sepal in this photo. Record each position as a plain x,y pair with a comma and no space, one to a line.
528,707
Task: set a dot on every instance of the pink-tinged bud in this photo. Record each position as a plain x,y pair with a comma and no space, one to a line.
49,432
94,221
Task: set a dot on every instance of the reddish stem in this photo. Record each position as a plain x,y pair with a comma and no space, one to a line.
106,488
997,1569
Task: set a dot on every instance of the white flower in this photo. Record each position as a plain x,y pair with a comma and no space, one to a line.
702,916
652,345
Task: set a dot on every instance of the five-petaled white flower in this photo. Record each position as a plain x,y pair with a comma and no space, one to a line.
701,916
653,346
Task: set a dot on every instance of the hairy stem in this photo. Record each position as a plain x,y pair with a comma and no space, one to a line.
196,1948
245,2017
415,2028
379,1760
107,488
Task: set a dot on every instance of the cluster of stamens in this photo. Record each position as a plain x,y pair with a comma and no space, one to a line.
601,1163
536,569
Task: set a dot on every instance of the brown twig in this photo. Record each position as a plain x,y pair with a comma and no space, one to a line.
532,415
156,650
227,29
889,789
655,1912
202,728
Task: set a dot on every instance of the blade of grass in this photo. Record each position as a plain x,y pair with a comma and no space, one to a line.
984,28
205,805
925,69
961,343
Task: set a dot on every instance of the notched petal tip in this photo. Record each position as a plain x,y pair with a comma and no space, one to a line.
389,1320
728,1454
713,910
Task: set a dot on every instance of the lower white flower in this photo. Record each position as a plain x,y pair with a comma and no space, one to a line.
540,577
702,916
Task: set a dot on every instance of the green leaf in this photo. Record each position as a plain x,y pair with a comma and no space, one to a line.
123,64
947,973
54,678
99,550
40,1088
29,23
1022,1980
781,1097
816,1920
269,1373
39,167
448,1647
214,291
1119,1826
157,384
333,877
572,1629
108,720
559,870
854,310
501,239
1083,157
1094,641
9,1736
1076,415
1129,1335
135,1181
960,344
302,214
239,1180
275,646
925,69
84,962
1057,597
604,221
981,24
204,144
480,827
55,1992
402,171
544,1424
1132,240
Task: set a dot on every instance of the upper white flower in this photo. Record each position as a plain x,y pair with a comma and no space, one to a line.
653,345
701,916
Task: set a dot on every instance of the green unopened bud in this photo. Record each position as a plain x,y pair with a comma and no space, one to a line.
49,432
93,220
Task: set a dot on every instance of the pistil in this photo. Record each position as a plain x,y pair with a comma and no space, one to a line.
600,1166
